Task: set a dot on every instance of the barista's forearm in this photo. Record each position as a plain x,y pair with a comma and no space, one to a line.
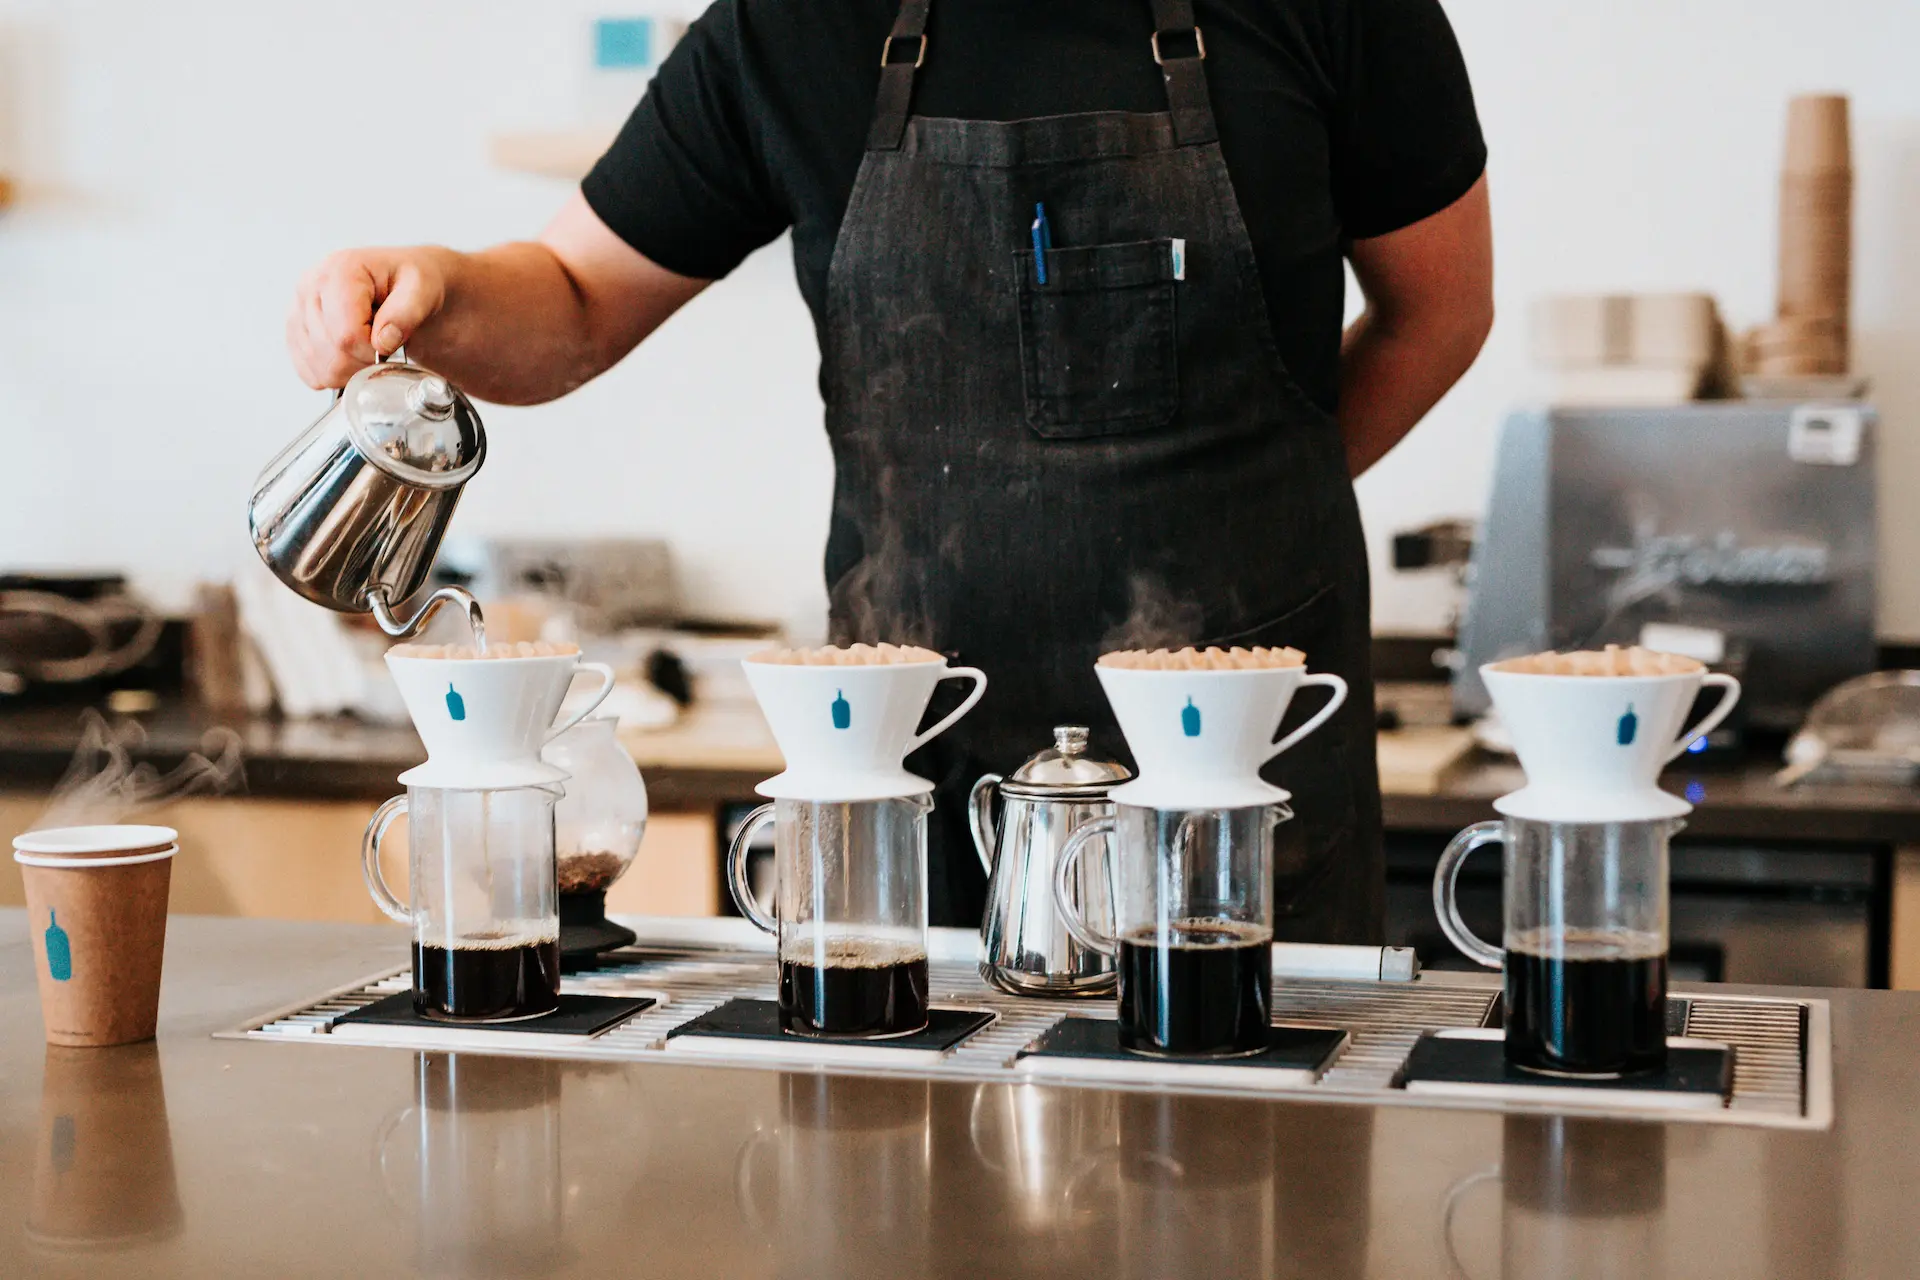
516,324
514,328
1392,374
1429,291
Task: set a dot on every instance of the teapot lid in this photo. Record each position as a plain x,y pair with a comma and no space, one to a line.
413,424
1064,770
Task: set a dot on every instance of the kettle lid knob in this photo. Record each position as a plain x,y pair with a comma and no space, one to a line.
1070,739
431,397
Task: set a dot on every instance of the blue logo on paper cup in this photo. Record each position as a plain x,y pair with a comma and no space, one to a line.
59,951
842,710
1190,719
1629,725
456,705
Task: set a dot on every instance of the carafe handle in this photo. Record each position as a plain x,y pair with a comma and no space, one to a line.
1711,721
370,860
1063,876
980,810
1320,717
979,679
737,870
1446,894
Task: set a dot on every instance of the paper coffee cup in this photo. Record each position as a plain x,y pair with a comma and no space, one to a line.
97,926
103,1174
1819,138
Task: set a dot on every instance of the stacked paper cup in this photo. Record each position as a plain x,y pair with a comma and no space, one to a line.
1809,335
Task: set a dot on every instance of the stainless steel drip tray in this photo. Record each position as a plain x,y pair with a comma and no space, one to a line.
1782,1062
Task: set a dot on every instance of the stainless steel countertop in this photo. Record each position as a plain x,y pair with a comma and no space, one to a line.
229,1158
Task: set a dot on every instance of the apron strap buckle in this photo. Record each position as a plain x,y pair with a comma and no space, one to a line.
1199,45
886,50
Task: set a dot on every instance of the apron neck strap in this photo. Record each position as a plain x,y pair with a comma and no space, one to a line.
901,55
1177,47
1182,54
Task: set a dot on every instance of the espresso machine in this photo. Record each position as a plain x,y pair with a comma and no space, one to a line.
1740,534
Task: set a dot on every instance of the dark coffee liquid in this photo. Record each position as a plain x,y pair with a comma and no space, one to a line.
487,980
1206,992
1587,1003
853,987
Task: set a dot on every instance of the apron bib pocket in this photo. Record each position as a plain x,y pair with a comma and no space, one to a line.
1098,339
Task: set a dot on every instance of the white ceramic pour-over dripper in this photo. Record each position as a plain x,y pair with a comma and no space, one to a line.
845,731
1593,746
484,720
1200,737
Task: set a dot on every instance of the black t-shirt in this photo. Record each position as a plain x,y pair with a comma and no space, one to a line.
1339,120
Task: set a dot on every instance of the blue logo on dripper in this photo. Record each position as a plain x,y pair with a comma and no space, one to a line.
842,710
59,950
1190,719
1628,726
456,705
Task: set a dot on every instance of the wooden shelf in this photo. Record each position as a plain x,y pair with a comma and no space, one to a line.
558,153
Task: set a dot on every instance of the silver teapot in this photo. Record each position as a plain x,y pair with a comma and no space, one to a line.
351,513
1027,949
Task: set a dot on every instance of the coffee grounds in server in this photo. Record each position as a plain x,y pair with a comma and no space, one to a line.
487,979
1586,1003
1206,993
853,987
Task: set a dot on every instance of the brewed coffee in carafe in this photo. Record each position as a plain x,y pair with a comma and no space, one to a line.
1193,905
1585,955
850,894
1585,895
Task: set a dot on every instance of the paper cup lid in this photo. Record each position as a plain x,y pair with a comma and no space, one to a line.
107,838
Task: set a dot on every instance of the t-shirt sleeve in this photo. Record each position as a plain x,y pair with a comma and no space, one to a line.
1406,138
685,182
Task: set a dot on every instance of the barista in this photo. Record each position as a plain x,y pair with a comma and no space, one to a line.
1076,274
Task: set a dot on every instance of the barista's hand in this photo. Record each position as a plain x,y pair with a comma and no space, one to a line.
360,300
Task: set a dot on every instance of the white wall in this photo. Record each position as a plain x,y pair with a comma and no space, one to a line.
185,161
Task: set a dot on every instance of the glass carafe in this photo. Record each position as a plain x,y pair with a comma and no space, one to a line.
483,909
1194,924
850,912
1585,933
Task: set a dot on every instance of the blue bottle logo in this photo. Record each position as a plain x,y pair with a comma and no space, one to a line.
456,705
842,710
1629,725
1190,719
59,951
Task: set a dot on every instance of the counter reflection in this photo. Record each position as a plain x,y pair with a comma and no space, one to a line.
1580,1200
103,1175
474,1164
841,1183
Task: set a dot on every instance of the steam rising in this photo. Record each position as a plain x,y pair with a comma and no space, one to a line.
104,785
888,595
1156,619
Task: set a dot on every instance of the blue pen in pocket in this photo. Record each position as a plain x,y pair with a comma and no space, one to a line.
1042,243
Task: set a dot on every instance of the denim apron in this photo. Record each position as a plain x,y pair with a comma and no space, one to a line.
1042,455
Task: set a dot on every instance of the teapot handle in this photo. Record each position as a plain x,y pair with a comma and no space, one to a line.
980,810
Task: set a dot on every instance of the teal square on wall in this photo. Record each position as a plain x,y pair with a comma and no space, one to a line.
622,42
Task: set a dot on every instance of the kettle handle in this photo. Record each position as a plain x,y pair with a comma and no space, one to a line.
980,810
399,353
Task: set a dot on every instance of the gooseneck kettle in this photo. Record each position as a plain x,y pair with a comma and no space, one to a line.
351,513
